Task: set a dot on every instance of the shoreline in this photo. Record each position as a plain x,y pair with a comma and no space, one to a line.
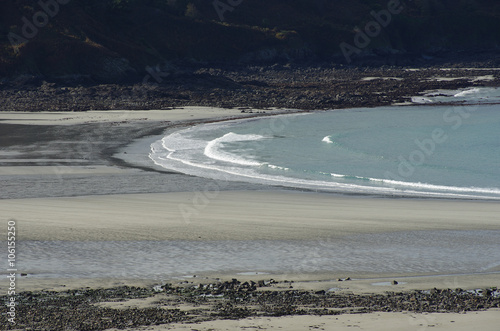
118,139
343,283
121,213
47,137
131,155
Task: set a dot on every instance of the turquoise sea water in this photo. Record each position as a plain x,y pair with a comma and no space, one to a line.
431,150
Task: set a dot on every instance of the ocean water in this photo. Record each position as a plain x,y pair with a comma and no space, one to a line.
449,147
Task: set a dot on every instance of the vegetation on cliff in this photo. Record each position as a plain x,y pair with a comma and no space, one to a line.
115,39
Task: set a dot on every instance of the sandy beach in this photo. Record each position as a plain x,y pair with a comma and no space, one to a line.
240,215
111,193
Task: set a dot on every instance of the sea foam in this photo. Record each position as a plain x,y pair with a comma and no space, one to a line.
214,149
328,140
467,93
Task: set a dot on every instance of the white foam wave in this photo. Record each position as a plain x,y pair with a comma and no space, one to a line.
467,93
160,158
328,140
214,149
440,187
272,166
419,185
466,96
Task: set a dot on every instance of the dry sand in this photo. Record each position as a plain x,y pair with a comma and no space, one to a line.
246,215
96,116
484,320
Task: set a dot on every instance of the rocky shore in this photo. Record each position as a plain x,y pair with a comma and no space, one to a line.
92,309
321,86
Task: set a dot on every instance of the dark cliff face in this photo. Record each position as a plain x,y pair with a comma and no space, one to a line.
114,40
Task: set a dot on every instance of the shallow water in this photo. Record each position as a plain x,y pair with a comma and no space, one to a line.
450,151
445,252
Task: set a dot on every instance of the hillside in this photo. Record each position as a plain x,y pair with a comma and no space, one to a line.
115,40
